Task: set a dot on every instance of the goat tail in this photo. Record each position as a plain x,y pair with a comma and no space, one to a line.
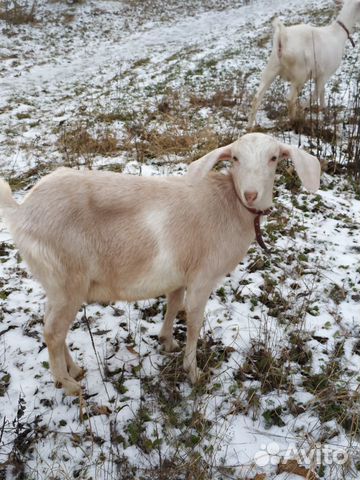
7,202
279,39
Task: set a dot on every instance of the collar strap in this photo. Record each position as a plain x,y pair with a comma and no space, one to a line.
347,32
258,214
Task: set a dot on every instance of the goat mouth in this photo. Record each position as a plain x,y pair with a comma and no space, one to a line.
255,206
248,204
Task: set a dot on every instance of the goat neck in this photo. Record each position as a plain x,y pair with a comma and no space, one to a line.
347,19
255,215
258,214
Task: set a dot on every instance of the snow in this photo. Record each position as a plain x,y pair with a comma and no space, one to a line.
51,73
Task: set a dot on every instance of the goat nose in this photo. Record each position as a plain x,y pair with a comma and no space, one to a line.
251,197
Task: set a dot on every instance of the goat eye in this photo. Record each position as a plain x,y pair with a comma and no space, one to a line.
235,159
273,159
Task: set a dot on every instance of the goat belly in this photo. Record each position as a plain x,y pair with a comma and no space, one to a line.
159,278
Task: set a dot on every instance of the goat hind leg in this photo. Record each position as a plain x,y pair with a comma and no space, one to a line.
292,98
268,76
320,92
317,95
58,319
74,370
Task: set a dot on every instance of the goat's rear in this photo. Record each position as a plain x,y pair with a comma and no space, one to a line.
7,203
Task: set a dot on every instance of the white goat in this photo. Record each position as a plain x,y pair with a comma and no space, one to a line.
302,52
91,236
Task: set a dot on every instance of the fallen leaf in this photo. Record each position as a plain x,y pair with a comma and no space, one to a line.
132,350
100,410
292,466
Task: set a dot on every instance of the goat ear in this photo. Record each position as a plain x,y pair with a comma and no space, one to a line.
307,166
200,168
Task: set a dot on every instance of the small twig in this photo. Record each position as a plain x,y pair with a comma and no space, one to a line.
95,351
2,429
11,327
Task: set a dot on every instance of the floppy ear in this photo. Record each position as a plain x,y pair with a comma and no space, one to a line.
307,166
200,168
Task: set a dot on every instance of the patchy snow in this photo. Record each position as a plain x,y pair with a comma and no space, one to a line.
140,414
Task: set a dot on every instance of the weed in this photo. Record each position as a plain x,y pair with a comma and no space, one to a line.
273,417
5,378
261,364
298,352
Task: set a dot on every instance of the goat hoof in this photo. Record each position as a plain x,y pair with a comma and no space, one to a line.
71,388
169,345
195,375
76,372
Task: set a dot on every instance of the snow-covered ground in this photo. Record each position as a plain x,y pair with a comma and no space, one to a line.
281,338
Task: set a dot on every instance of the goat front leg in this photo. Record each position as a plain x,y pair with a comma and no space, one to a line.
271,71
175,302
196,299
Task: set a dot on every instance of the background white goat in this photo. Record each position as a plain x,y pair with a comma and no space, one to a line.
99,236
302,52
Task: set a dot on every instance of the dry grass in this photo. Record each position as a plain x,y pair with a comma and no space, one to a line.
222,98
16,13
79,143
175,128
171,130
174,141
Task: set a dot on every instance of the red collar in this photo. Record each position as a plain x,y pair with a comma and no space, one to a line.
258,214
347,32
